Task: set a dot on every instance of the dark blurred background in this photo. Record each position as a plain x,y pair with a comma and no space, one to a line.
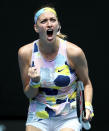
78,21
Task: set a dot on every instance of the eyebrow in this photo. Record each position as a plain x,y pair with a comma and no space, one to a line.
47,18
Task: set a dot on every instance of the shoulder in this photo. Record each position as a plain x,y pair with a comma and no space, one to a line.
73,50
26,49
75,55
25,52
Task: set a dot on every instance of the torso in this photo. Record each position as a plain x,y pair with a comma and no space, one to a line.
58,82
29,47
55,72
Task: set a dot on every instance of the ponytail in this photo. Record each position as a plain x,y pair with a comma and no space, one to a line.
62,36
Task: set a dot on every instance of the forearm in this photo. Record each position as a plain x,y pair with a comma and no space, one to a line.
88,92
31,92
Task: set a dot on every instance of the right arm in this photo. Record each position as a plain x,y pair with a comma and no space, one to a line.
24,59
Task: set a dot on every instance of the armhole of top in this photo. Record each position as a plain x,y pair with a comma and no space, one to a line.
32,56
65,44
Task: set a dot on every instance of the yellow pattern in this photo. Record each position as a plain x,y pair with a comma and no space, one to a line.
42,114
50,9
52,98
92,115
73,96
35,86
55,105
55,87
64,70
38,54
74,82
62,97
88,103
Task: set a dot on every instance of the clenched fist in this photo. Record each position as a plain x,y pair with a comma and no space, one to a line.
34,74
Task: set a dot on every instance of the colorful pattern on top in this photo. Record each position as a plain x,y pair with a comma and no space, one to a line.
57,93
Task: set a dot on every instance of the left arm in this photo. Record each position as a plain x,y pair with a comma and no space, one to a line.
81,68
79,62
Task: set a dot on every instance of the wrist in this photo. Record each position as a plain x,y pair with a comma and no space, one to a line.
34,84
89,106
88,103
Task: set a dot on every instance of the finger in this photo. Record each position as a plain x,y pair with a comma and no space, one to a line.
33,64
32,71
87,118
29,70
34,68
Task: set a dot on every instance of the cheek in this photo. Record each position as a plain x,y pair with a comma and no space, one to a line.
42,32
42,29
57,26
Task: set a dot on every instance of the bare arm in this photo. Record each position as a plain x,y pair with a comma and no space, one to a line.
79,63
24,58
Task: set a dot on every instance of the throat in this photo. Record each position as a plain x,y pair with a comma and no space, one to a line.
48,48
49,51
51,57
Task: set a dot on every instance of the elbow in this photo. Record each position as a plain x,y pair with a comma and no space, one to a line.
31,92
29,96
88,84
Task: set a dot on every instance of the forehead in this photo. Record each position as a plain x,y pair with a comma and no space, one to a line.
47,14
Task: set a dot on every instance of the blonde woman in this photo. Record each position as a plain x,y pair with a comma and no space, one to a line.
50,67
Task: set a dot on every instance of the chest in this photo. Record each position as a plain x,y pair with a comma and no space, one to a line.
55,73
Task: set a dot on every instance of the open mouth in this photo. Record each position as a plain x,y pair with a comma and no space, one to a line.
49,32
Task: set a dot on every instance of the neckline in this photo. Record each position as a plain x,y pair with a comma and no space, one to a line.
42,55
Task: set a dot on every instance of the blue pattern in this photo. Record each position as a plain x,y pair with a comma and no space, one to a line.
35,48
49,91
71,70
62,81
50,112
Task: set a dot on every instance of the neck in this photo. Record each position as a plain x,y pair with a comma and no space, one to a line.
49,48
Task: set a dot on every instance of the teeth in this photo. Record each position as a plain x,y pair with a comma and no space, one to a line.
49,30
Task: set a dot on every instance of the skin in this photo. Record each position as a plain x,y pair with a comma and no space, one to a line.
49,48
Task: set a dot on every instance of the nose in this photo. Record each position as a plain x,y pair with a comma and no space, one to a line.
49,24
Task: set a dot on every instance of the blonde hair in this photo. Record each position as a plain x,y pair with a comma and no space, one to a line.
37,13
62,36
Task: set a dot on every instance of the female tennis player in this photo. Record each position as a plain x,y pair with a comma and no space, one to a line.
50,68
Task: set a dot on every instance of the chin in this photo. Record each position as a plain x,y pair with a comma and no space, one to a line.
50,40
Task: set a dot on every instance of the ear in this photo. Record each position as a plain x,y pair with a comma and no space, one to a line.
36,28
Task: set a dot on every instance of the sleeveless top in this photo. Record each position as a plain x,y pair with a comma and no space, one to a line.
57,93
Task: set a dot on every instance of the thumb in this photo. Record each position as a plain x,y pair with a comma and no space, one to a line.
33,64
87,117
